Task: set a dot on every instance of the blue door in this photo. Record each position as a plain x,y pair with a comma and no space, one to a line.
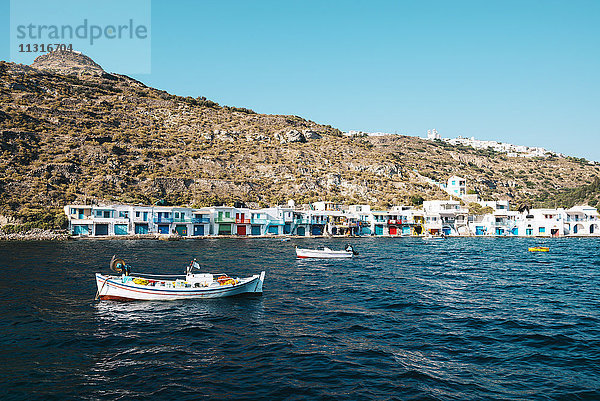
301,231
515,231
199,230
255,230
446,230
479,230
317,230
81,230
141,228
273,229
499,231
378,230
163,228
287,229
121,229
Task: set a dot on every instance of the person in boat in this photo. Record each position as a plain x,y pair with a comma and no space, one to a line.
125,268
350,248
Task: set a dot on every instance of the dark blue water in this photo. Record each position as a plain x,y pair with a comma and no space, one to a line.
460,319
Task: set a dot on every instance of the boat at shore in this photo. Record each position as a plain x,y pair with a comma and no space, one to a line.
433,237
150,287
326,253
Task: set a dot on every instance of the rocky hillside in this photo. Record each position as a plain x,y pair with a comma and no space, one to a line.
71,132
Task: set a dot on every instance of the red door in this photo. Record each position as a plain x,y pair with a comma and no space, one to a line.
241,230
393,230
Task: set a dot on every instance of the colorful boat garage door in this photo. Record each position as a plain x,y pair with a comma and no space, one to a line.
224,229
141,228
241,230
255,230
121,229
181,229
163,228
199,230
81,230
301,231
101,229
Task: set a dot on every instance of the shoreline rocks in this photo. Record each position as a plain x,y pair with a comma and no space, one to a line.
37,234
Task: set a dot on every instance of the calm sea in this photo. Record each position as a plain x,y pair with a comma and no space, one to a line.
460,319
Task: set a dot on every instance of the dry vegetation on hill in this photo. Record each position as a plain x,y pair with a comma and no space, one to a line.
70,132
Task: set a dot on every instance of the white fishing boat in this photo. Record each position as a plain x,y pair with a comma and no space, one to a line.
149,287
326,253
433,237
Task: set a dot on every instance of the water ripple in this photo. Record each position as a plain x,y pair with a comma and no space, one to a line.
461,319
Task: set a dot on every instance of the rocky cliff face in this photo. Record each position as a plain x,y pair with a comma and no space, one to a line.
69,132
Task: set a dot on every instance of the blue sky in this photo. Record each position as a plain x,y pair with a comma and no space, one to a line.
524,72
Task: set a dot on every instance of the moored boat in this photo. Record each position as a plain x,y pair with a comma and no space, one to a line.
326,253
539,249
428,237
149,287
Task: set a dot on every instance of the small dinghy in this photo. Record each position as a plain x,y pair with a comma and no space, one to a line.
539,249
326,253
149,287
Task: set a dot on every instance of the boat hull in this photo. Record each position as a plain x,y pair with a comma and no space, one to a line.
314,253
120,289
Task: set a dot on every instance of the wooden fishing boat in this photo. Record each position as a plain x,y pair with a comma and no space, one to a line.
326,253
150,287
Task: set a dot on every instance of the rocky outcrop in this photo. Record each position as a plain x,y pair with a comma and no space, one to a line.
67,62
311,135
293,136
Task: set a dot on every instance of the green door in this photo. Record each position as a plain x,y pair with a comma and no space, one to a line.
181,229
224,229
